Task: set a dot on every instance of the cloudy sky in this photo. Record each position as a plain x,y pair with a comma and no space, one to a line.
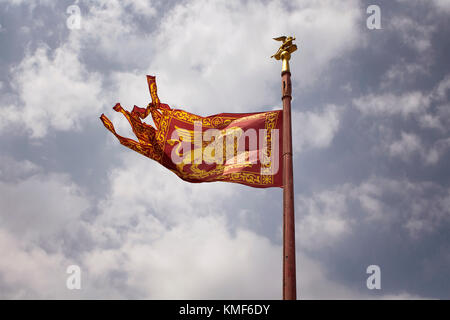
371,121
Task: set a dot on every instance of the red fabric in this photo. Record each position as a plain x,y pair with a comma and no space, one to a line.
162,142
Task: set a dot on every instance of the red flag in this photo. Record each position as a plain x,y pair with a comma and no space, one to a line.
233,147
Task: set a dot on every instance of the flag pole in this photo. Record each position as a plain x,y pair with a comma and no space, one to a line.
289,270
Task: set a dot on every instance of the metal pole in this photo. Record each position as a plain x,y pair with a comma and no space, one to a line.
289,271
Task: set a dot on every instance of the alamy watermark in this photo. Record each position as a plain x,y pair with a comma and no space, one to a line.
73,281
373,21
374,280
73,22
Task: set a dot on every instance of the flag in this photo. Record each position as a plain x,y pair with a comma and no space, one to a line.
241,148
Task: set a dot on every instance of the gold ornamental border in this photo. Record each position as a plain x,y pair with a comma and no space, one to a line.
248,177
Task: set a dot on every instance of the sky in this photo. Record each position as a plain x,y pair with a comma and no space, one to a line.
371,137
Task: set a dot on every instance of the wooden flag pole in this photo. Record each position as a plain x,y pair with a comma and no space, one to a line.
289,270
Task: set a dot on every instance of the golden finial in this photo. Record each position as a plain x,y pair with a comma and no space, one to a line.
284,52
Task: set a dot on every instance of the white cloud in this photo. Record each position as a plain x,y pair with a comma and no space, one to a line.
28,272
403,72
19,2
197,260
410,144
55,92
12,170
440,92
413,33
131,89
63,92
38,206
325,217
442,4
155,234
429,110
315,130
431,121
199,256
181,235
439,5
406,146
215,74
195,50
149,187
110,31
322,218
389,104
436,151
37,209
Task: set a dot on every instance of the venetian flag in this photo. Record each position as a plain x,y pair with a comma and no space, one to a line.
242,148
